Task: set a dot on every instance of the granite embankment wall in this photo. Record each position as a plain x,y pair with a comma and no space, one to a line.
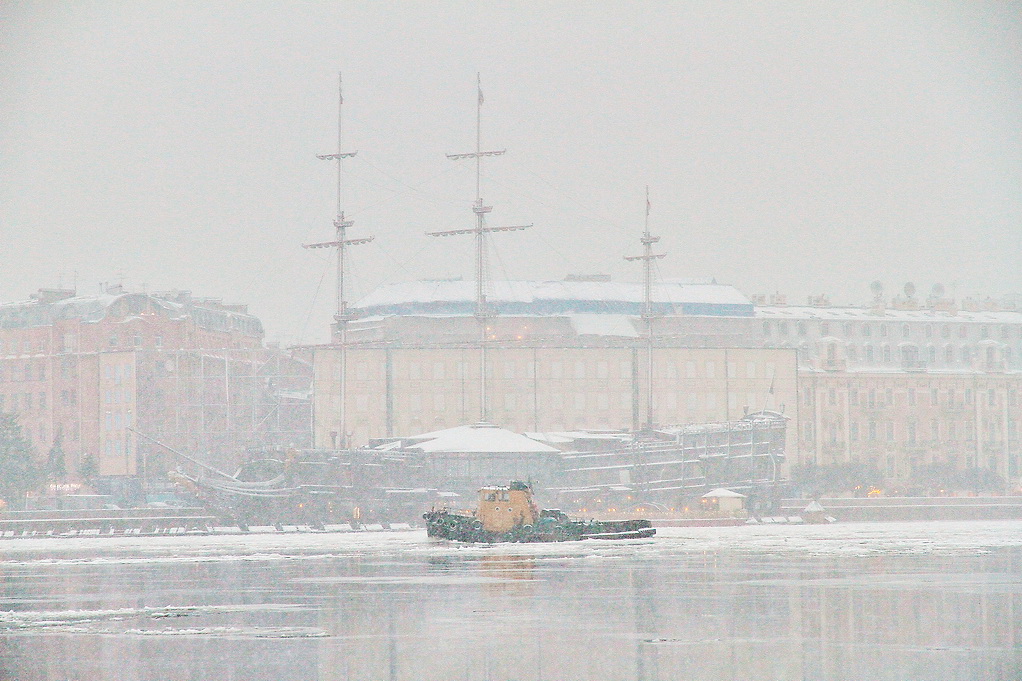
913,508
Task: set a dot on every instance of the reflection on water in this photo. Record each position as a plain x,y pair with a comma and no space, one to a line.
927,601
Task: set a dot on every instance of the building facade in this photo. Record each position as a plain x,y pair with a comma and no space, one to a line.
84,373
394,391
900,384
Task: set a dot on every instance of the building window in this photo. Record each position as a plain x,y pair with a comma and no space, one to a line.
869,353
906,330
883,330
928,330
852,354
801,326
966,355
42,400
984,331
912,397
766,328
911,435
849,329
867,331
963,331
782,328
887,353
158,341
853,431
825,328
890,431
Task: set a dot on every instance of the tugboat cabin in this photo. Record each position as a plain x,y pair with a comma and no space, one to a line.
502,508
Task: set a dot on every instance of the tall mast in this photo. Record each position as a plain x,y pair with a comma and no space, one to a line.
341,243
482,312
647,259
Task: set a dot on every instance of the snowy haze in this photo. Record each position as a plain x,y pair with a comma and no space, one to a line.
801,147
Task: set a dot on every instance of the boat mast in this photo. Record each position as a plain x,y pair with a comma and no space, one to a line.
647,259
482,311
341,243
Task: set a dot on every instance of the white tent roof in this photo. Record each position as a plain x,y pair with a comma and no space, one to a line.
481,437
721,492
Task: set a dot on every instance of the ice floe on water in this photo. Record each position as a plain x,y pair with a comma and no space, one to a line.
838,539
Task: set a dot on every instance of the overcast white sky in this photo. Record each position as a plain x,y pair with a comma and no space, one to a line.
802,147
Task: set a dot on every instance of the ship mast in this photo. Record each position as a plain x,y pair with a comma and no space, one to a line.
341,243
647,259
482,311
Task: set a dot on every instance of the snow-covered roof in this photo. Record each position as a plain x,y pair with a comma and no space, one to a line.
477,438
93,308
722,493
556,297
865,314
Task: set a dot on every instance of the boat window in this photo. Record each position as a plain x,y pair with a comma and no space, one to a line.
504,496
491,496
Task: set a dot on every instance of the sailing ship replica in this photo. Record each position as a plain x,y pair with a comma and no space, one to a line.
509,514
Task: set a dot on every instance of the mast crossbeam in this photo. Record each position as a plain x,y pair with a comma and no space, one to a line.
336,157
476,154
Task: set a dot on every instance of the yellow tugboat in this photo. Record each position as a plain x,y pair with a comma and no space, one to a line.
509,514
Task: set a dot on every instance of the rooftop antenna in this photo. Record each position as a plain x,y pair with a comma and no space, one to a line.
482,311
648,257
341,242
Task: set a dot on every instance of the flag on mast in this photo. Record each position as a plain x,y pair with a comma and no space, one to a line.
479,87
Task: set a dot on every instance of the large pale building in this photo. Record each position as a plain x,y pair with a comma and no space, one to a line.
560,356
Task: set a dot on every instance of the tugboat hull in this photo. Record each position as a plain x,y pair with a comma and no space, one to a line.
550,527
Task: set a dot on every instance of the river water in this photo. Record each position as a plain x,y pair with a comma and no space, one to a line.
898,601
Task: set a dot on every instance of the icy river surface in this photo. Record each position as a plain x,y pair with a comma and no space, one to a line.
898,601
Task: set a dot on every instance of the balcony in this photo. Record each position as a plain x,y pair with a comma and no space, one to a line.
993,366
913,365
834,364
